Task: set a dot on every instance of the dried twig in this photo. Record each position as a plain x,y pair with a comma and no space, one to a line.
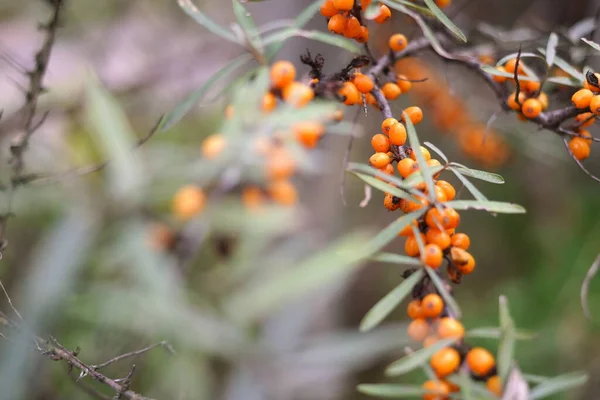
164,344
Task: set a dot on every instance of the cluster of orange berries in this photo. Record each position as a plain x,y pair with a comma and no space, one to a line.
430,323
586,100
345,19
450,114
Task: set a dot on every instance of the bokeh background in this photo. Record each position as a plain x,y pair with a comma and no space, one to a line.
78,266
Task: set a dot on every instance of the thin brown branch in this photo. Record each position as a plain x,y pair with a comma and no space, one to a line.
164,344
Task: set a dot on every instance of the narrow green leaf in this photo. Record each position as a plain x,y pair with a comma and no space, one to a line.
248,26
420,9
396,259
581,28
496,333
437,151
535,378
466,384
417,177
592,44
413,139
439,14
510,56
490,206
420,241
493,71
551,49
477,174
328,38
372,11
193,11
391,390
565,66
558,384
506,346
441,287
474,191
417,358
389,302
390,232
384,187
177,113
565,81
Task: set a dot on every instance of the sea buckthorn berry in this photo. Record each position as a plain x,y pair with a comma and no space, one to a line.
440,195
430,340
440,238
591,82
380,143
463,260
363,37
229,112
586,135
499,78
432,305
494,385
531,108
350,94
582,98
404,83
407,166
425,153
364,4
443,3
409,206
387,124
308,133
338,115
253,197
432,256
595,104
397,42
328,9
480,361
337,24
343,5
297,94
384,14
512,103
353,28
460,240
467,267
282,74
379,160
445,362
435,390
530,87
269,102
188,202
418,329
391,91
450,328
407,230
447,188
370,99
543,99
363,83
434,163
585,119
283,192
280,164
391,203
414,113
213,145
414,310
448,218
580,148
411,245
511,65
397,134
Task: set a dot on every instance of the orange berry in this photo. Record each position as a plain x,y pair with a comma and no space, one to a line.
425,153
350,94
579,148
353,28
363,83
443,3
297,94
460,240
529,87
387,124
188,202
595,105
445,361
269,102
391,91
448,218
591,82
586,135
414,113
338,115
512,103
440,195
328,9
511,65
450,328
253,197
432,305
213,145
370,99
437,237
585,119
463,260
397,42
430,340
283,192
282,74
582,98
380,143
407,166
414,310
384,14
435,390
434,163
494,385
543,98
397,134
418,329
404,83
531,108
363,37
499,78
337,24
407,230
432,256
447,188
343,5
480,361
364,4
379,160
391,203
411,245
308,133
280,164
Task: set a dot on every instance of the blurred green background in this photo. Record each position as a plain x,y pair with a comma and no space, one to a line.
79,268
